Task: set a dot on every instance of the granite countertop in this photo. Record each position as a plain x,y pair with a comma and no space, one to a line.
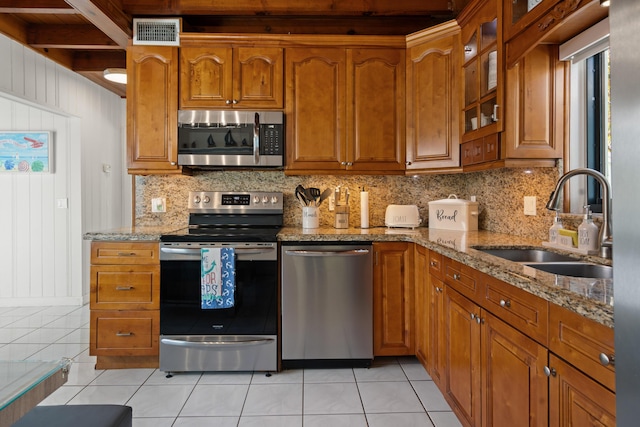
592,298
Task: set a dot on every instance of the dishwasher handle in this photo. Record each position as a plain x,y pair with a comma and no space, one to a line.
324,253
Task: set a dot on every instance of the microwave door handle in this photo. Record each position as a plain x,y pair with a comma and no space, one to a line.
256,140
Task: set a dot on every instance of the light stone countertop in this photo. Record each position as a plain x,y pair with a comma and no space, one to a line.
592,298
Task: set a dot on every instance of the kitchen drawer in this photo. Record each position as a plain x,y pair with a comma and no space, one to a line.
522,310
582,342
124,333
436,265
125,287
462,278
125,253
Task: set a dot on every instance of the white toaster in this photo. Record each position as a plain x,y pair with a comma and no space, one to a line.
406,216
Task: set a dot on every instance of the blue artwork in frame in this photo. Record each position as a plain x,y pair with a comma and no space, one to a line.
25,151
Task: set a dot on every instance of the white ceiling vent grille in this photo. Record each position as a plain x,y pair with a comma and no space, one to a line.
158,32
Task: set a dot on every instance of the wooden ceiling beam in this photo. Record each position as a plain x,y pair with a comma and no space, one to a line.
309,25
68,37
289,7
58,7
98,60
108,16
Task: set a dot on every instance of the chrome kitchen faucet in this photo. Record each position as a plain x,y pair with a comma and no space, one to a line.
606,236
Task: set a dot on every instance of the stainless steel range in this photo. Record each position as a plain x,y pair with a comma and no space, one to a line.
240,337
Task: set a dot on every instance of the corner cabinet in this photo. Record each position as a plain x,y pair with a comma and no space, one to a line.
482,97
345,110
215,75
125,304
393,311
152,110
433,107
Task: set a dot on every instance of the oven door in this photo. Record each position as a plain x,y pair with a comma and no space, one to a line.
243,337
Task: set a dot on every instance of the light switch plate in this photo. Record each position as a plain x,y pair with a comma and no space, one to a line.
159,204
530,205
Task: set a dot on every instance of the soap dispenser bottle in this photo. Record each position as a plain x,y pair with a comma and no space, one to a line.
588,232
553,231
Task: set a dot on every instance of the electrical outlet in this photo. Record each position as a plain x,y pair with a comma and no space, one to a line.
530,205
332,202
159,204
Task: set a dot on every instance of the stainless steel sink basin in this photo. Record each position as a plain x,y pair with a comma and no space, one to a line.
527,255
576,269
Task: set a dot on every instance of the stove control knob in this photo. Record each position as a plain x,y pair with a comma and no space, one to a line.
256,199
206,199
196,199
274,200
265,199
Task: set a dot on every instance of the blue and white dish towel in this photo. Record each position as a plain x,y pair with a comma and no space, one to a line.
217,277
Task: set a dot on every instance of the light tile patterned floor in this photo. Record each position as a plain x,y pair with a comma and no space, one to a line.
394,392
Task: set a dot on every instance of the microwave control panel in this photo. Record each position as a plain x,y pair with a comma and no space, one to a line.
271,139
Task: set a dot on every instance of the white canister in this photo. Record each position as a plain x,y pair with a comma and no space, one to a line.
310,217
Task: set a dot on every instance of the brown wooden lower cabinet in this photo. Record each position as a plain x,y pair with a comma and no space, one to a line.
393,314
503,357
577,400
125,303
494,373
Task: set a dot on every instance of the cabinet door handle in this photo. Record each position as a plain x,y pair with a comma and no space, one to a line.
456,276
433,264
438,289
607,359
494,117
124,288
349,163
343,163
408,163
228,102
550,372
124,334
505,303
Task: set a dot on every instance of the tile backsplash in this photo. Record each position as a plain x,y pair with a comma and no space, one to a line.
500,194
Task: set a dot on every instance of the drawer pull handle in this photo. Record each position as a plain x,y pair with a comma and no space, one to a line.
434,263
505,303
550,372
607,359
456,276
438,289
124,334
124,288
473,316
127,254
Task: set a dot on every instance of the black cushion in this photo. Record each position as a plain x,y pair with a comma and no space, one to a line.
77,415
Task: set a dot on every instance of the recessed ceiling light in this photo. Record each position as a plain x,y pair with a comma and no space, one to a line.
118,75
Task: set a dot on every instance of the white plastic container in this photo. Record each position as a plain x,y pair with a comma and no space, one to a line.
553,230
453,214
588,232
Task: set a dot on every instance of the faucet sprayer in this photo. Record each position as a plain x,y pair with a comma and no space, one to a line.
606,236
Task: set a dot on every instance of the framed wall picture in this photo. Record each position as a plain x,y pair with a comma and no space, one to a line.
26,151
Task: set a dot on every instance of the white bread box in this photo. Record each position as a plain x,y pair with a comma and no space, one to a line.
453,214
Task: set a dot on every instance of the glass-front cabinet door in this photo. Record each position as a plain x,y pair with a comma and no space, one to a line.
482,72
518,14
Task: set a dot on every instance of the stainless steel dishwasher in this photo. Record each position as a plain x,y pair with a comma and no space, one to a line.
327,305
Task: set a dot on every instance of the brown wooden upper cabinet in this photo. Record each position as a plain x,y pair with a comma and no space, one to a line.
433,94
221,76
482,69
152,109
345,110
529,23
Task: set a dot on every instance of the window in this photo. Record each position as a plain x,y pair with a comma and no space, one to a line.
590,135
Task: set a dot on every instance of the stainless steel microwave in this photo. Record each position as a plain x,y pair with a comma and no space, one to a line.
230,138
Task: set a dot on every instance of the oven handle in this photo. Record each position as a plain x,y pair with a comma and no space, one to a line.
196,344
351,252
196,252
